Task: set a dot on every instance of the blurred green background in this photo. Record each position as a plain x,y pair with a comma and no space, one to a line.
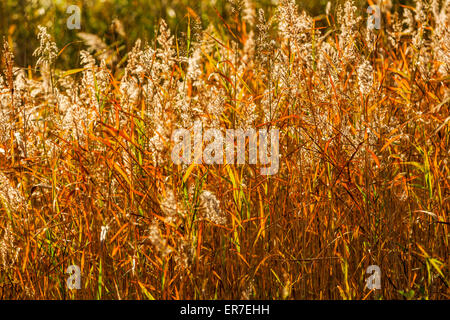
19,20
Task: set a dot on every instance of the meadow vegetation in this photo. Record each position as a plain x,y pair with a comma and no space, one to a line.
87,179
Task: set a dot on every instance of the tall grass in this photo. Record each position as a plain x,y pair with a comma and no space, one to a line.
86,176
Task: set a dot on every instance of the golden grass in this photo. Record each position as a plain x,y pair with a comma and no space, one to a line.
363,179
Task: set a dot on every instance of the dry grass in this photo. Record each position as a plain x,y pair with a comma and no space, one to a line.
86,176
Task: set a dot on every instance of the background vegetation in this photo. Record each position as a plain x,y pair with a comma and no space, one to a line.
19,20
